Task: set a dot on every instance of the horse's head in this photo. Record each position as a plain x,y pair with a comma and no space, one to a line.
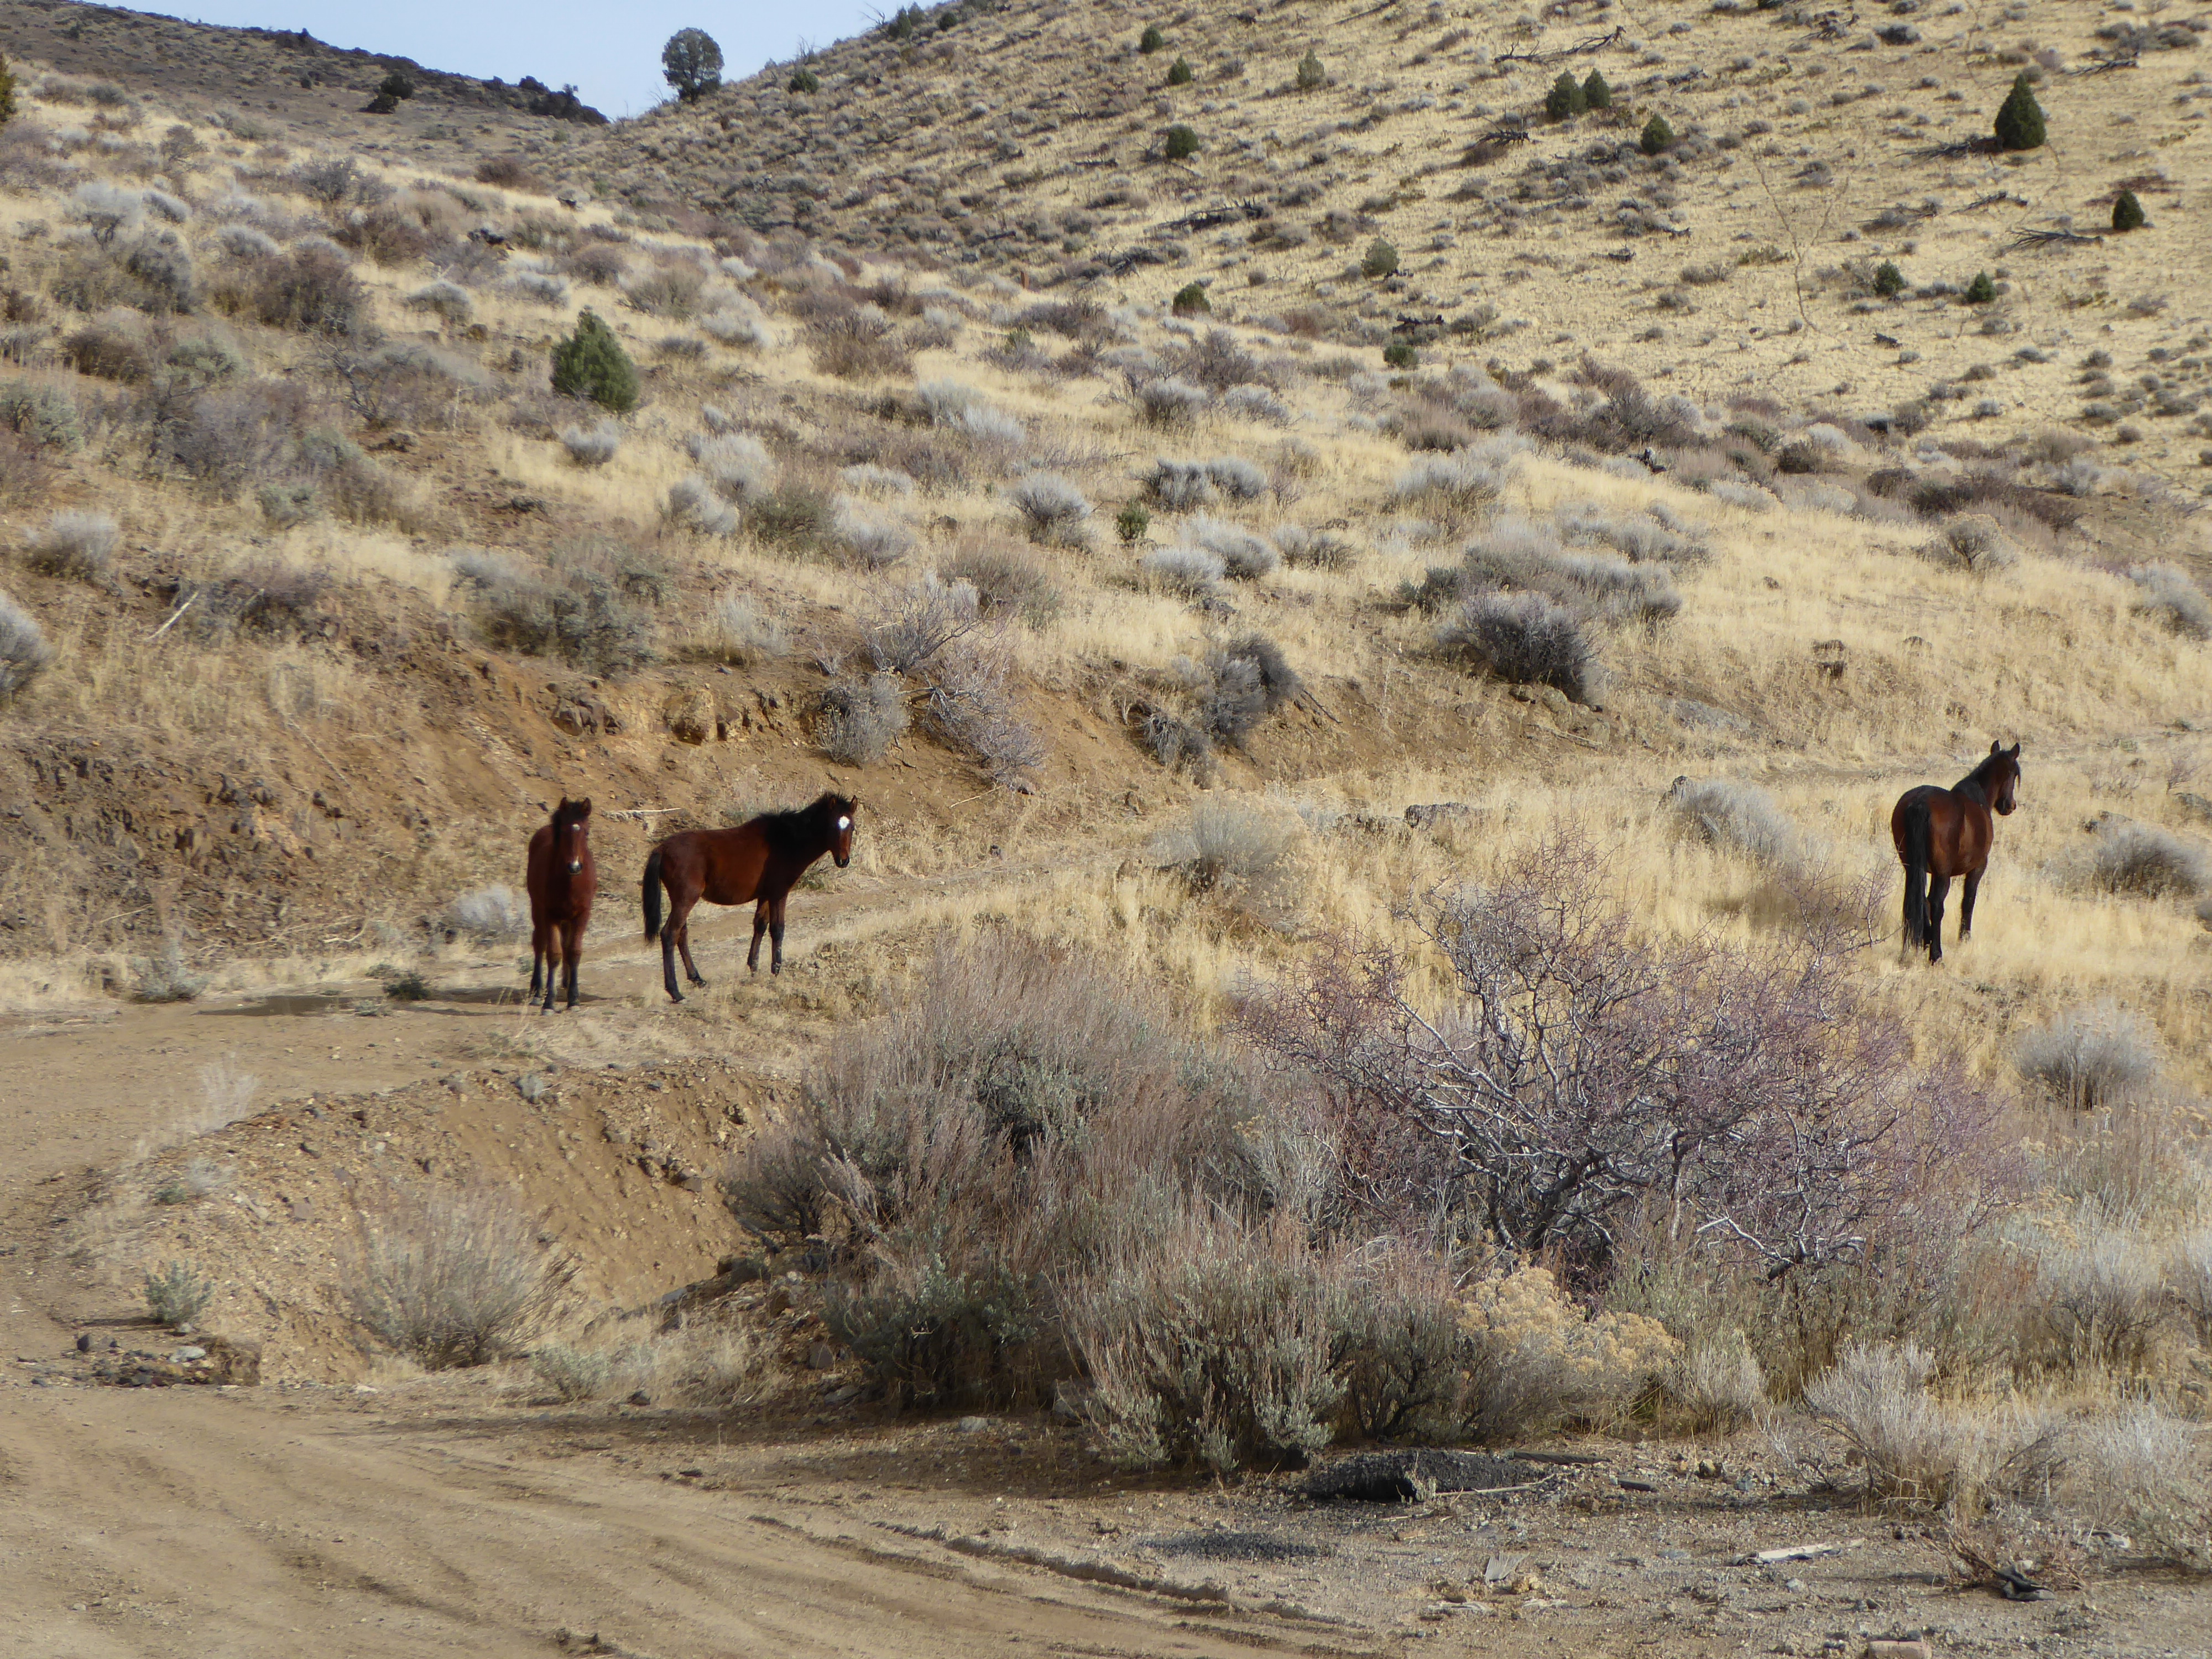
838,811
2001,771
572,826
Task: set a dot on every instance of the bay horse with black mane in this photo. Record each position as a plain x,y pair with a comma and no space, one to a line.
757,863
1943,835
562,879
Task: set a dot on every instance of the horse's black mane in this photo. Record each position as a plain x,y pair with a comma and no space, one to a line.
1977,780
796,828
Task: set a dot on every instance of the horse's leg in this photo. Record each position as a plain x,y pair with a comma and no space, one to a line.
1974,885
1913,893
572,945
776,937
760,927
679,913
537,931
684,944
1938,887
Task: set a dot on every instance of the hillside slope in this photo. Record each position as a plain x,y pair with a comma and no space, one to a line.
1809,148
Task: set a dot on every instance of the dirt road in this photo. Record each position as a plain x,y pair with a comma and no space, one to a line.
238,1525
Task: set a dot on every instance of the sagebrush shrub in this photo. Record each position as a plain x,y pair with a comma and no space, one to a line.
591,447
572,609
166,977
178,1295
78,544
738,631
24,653
488,915
572,1373
449,1279
1189,572
1169,400
1249,851
2169,596
448,302
310,289
693,504
1051,505
1524,639
2091,1058
1212,1345
1739,817
858,722
1008,579
2145,860
1973,543
591,364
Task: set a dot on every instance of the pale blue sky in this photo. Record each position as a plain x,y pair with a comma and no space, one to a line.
610,51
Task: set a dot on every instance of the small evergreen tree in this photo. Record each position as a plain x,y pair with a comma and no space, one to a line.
1565,100
1311,76
1381,259
1152,40
1888,281
1131,523
1658,136
2020,119
805,81
1595,94
2127,212
1179,72
1181,142
1190,299
591,363
396,86
1981,290
7,92
691,63
1400,354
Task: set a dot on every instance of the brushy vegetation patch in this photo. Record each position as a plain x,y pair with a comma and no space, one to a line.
450,1278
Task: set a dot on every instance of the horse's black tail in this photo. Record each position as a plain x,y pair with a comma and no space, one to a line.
652,896
1919,838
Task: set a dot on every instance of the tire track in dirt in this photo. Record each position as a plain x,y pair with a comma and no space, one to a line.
157,1522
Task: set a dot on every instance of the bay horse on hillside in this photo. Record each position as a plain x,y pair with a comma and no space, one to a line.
756,863
563,881
1945,833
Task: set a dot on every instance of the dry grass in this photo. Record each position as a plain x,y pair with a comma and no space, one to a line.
449,1279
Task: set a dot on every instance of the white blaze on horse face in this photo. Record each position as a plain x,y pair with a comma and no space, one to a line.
844,823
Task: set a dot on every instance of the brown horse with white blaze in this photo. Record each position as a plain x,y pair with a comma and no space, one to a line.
562,879
756,863
1945,834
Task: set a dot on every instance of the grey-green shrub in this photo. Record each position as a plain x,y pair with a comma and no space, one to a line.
24,653
858,722
178,1295
449,1279
74,543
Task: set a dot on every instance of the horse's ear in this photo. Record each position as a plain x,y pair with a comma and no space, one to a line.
1996,744
584,807
2015,751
